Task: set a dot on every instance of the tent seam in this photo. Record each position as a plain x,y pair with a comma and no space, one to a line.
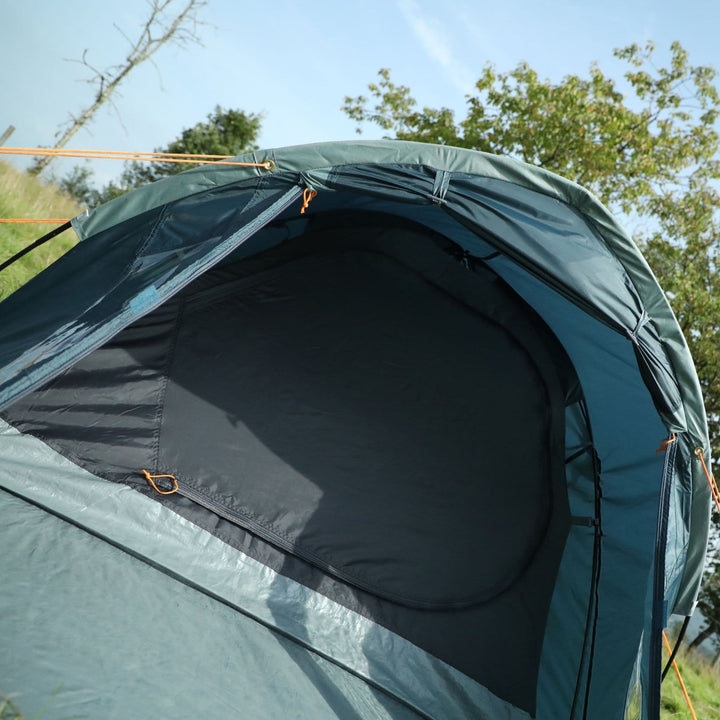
160,410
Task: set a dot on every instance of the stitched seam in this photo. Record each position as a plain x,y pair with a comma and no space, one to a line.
159,413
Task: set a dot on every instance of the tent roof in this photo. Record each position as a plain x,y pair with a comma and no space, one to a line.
316,166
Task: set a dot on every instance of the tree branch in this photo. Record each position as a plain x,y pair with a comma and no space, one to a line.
156,32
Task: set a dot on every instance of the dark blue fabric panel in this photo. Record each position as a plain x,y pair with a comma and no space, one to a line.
547,237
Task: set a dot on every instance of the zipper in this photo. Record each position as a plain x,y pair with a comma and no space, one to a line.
659,608
170,485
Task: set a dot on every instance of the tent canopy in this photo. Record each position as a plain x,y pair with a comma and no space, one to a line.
401,440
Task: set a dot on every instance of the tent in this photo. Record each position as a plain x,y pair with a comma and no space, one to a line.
364,430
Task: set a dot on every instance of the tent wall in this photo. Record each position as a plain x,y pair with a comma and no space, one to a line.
561,253
626,434
362,402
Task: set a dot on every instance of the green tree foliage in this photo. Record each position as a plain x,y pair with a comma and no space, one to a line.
225,132
650,153
709,603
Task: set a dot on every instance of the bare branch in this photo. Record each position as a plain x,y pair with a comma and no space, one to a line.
123,33
158,29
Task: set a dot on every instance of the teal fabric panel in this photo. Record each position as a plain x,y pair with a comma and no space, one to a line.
627,431
582,253
345,467
314,162
659,344
316,165
680,519
546,236
94,632
563,668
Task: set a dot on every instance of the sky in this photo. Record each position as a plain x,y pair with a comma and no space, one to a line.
294,62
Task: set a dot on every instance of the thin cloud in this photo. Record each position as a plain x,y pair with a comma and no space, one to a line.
435,44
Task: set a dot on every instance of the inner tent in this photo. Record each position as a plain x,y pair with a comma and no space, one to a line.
362,408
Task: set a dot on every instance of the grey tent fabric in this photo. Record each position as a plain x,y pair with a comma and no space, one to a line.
425,410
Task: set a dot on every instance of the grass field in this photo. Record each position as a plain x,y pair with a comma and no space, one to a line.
703,685
24,196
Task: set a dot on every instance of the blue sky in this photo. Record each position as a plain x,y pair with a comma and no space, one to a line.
295,61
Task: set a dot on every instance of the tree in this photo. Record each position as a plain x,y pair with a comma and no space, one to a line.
709,604
160,27
225,132
653,156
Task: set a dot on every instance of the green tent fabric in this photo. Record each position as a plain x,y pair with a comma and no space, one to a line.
385,451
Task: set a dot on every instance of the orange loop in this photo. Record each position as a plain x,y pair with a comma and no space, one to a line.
664,445
682,684
150,479
308,195
710,478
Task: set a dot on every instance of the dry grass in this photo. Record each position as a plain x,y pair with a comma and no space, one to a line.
24,196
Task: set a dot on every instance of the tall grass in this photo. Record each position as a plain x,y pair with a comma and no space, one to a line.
703,685
25,196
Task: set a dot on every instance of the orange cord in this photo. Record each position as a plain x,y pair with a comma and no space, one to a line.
710,478
150,478
682,684
308,195
108,153
141,156
32,220
119,155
